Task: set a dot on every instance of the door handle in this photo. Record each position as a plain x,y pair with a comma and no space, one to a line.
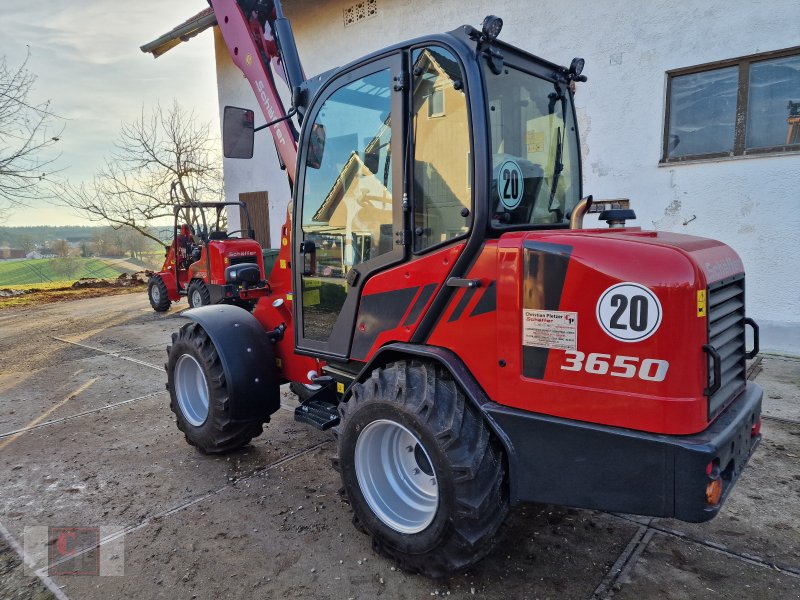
308,251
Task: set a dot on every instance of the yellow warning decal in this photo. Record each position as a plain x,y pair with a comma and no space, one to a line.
289,296
283,264
340,387
701,303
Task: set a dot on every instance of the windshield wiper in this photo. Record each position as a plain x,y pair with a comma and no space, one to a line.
558,164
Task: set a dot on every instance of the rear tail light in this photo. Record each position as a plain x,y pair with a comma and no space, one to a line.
714,486
714,492
755,430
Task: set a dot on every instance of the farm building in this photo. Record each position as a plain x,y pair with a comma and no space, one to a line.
692,110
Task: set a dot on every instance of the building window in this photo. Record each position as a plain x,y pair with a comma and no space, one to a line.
740,107
436,103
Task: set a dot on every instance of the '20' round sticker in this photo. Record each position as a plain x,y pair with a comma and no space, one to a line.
629,312
510,184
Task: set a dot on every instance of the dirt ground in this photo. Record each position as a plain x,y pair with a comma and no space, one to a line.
87,440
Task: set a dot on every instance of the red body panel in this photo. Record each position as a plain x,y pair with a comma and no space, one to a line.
674,267
429,269
294,367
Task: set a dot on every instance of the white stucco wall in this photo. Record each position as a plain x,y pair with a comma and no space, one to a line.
749,203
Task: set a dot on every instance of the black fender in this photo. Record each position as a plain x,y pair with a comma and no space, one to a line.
247,357
464,378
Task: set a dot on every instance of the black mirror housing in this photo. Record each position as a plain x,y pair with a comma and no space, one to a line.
237,132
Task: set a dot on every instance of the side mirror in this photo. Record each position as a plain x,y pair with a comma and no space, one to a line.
237,132
316,146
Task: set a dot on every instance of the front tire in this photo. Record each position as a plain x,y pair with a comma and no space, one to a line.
199,394
158,294
424,475
198,294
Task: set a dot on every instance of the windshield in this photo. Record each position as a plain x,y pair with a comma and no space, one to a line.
535,160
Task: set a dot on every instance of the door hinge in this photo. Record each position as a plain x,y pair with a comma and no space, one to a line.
400,81
403,237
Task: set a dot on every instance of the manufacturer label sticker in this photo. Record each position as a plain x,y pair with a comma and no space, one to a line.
510,184
550,329
629,312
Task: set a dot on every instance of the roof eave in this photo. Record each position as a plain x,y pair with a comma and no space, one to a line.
182,33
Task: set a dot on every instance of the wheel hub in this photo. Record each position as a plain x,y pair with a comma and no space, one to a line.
197,299
396,476
191,390
155,293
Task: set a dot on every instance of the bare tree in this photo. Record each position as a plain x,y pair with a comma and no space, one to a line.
162,159
60,248
26,131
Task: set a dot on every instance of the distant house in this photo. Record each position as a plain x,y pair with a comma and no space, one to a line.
7,252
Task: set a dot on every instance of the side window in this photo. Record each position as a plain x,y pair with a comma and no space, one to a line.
347,198
442,166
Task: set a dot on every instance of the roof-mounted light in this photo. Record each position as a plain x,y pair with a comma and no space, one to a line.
575,69
491,27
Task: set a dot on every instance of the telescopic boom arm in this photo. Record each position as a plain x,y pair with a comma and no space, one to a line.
260,42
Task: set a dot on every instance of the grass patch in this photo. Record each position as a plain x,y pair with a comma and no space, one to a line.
54,270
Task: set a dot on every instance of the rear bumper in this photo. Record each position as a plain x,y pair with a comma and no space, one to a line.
572,463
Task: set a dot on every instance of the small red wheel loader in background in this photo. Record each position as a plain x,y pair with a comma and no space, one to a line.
208,264
439,305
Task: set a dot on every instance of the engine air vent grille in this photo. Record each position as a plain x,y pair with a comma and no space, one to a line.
726,335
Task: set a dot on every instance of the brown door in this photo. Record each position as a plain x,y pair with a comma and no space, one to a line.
258,206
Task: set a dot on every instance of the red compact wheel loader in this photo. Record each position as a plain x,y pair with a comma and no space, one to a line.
440,307
208,264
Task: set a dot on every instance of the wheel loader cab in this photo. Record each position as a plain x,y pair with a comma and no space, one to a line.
414,151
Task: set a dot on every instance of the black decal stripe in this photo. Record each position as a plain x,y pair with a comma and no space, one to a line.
465,298
487,302
378,313
544,271
419,304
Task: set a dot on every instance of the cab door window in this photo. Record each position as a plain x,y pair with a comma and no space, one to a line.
347,198
442,162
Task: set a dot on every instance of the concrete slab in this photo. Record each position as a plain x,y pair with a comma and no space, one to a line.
63,389
780,377
121,466
133,336
670,569
286,533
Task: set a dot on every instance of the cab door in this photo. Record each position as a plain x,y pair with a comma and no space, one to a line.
348,216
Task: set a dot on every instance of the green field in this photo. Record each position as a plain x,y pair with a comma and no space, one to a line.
46,270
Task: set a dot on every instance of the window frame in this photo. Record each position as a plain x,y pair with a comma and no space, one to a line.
470,219
740,119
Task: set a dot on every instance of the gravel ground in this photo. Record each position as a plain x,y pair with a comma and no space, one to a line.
87,440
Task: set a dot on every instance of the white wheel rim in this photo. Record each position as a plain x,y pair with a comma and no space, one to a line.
396,476
191,389
197,299
155,294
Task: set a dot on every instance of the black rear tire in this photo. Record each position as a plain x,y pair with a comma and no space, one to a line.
466,458
218,433
157,294
198,294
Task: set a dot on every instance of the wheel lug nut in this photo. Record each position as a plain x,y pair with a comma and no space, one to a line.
433,480
416,471
409,449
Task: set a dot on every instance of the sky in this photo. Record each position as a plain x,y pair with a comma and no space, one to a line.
85,54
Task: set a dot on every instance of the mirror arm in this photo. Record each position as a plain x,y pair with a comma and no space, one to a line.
292,112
